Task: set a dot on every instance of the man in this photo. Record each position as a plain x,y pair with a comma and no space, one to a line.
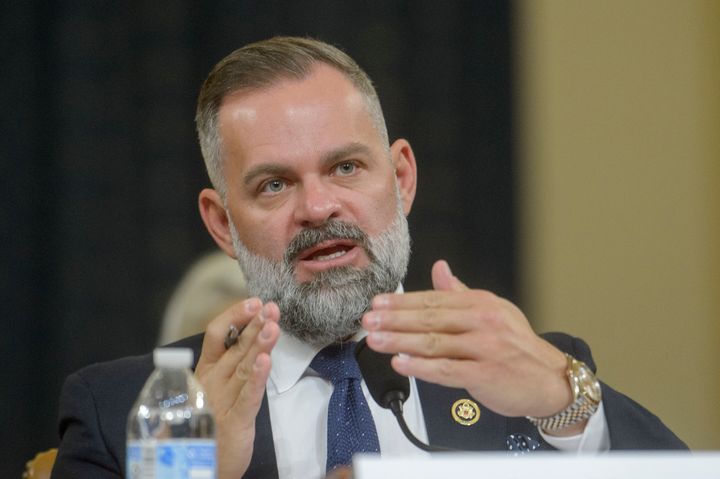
311,199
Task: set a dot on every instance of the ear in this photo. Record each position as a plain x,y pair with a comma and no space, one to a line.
215,217
403,160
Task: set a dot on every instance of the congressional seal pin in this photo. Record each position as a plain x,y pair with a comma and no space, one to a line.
465,412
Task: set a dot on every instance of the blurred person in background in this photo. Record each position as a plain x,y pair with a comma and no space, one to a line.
210,286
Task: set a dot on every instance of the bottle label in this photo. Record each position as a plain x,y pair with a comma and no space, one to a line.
171,459
140,459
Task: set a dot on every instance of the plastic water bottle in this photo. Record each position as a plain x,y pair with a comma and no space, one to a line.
171,430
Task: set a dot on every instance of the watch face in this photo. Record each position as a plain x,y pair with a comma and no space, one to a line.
588,383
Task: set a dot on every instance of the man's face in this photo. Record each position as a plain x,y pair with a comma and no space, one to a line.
312,185
328,308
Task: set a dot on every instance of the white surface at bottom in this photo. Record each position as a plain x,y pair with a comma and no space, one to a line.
618,465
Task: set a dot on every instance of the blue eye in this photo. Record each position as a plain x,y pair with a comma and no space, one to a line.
347,168
273,186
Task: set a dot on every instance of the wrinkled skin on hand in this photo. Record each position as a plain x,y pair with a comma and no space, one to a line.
472,339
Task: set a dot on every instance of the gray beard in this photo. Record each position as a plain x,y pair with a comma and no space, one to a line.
328,308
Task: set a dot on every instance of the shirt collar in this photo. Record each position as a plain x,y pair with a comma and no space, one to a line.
291,358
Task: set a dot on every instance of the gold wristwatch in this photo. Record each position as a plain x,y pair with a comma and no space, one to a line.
586,398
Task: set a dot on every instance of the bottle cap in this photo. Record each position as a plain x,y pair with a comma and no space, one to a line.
173,357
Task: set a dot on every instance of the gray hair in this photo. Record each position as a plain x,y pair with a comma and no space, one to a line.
263,64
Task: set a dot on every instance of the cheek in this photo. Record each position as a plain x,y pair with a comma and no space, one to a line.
383,206
262,236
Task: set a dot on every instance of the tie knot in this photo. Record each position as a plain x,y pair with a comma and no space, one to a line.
337,362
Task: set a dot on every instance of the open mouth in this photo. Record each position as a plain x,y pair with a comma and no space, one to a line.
327,250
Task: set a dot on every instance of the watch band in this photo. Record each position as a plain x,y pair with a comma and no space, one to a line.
581,408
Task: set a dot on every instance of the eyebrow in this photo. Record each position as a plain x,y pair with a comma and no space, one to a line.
270,169
332,156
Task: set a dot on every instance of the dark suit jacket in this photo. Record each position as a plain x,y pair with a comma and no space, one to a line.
96,401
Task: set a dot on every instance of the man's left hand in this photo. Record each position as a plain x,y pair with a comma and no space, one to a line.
471,339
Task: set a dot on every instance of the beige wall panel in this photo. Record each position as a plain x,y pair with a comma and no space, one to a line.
620,120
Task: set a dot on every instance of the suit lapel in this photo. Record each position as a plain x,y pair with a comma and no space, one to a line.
263,463
488,433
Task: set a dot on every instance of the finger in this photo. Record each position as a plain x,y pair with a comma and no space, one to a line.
442,320
249,400
228,390
263,342
435,299
226,365
239,315
444,280
268,312
446,372
428,345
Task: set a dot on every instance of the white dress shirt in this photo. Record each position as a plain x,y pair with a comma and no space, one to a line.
298,401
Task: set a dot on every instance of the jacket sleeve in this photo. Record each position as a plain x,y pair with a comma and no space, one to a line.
83,452
631,426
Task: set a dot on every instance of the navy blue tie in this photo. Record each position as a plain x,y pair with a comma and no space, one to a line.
350,426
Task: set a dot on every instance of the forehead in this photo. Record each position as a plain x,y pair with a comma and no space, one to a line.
295,118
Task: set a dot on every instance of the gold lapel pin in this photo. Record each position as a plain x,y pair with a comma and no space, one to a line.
465,412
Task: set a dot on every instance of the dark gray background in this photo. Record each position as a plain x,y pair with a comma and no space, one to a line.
100,166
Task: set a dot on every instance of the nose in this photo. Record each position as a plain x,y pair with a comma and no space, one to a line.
317,203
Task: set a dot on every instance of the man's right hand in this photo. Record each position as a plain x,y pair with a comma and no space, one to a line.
234,379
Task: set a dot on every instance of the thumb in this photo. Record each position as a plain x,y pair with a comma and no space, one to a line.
443,279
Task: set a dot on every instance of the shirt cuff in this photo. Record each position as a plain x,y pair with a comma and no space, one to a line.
595,437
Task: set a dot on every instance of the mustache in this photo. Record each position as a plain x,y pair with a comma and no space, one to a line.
330,230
